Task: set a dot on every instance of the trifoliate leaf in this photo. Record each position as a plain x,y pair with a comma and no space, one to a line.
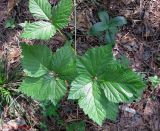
36,60
64,63
99,64
40,9
39,30
107,26
101,80
61,13
44,88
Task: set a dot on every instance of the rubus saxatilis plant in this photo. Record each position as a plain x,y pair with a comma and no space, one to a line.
96,79
107,26
50,18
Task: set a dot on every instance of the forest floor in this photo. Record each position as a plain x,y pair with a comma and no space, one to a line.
139,41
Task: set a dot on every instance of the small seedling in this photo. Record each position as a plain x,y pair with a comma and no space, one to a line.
155,81
107,26
10,23
5,95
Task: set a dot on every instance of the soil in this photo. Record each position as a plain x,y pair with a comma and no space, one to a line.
139,41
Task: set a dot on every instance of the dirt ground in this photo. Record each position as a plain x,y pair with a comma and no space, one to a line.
139,40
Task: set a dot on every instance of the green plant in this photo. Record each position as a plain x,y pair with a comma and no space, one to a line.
155,80
108,26
51,19
2,72
76,126
49,109
43,126
7,83
5,95
97,80
10,23
6,76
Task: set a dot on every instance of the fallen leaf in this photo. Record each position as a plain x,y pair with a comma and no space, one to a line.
11,4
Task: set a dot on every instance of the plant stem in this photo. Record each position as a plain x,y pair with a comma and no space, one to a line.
62,34
75,25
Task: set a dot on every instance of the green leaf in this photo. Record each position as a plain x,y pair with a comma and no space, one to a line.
64,63
36,60
110,37
155,80
113,30
40,9
61,13
123,86
103,16
44,88
76,126
10,23
49,109
2,72
124,60
92,100
79,83
5,95
111,34
102,82
98,27
99,65
46,72
39,30
95,60
1,81
117,21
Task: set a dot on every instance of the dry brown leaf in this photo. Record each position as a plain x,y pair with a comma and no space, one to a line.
149,107
11,4
83,19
